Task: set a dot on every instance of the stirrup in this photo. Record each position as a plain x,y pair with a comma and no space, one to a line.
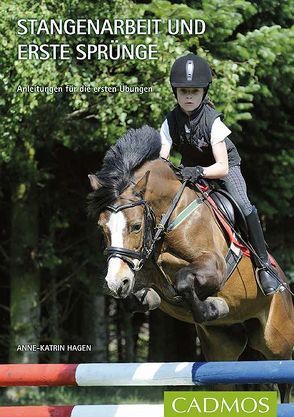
280,288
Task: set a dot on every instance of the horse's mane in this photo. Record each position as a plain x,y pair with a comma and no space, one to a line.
129,153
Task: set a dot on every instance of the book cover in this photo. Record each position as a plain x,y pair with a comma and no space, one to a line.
75,76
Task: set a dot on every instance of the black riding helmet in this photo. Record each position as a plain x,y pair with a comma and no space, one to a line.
190,71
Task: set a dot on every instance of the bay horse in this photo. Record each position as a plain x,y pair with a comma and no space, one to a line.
182,271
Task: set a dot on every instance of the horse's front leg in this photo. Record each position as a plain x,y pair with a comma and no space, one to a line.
198,281
141,301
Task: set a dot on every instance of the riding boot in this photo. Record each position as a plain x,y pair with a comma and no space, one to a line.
265,275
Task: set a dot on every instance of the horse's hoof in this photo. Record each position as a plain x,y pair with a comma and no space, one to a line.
151,298
141,301
221,306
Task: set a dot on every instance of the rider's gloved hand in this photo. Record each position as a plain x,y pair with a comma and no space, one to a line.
192,174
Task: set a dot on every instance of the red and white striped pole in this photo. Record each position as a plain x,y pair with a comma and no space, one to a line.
124,410
38,375
152,374
97,374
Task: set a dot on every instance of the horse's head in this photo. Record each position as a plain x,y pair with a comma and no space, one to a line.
122,202
127,225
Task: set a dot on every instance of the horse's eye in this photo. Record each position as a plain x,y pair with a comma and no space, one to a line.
135,228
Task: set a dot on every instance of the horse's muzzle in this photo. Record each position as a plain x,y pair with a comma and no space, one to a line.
125,288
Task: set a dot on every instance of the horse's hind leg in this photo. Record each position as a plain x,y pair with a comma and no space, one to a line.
222,343
285,392
274,337
268,339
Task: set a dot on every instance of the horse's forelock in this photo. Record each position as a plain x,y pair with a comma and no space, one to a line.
98,200
121,160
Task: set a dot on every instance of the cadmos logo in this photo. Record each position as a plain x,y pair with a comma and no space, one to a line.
220,404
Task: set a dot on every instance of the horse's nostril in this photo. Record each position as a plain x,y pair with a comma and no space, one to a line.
124,288
126,281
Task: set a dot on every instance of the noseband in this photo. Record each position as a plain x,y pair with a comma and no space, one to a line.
143,254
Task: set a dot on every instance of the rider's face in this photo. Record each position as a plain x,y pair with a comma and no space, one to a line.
189,98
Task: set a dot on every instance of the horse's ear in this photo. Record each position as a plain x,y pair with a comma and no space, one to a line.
95,184
140,187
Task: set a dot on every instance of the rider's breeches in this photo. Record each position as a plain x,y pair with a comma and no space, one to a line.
235,184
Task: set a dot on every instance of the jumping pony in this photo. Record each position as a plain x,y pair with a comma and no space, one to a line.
182,270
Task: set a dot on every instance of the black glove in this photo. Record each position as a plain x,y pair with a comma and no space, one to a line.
192,173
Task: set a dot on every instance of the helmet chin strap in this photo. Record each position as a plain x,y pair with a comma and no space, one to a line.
205,93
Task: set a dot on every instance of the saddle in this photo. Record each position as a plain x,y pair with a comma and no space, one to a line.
230,210
233,222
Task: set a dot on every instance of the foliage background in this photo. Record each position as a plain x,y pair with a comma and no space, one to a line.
52,268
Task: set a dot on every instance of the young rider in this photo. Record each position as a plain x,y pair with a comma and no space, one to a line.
197,131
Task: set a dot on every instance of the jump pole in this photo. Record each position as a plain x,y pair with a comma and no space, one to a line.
147,374
126,410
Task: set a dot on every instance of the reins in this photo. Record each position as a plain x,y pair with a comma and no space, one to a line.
162,226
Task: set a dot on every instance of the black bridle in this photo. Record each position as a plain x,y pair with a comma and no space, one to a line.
151,234
146,249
